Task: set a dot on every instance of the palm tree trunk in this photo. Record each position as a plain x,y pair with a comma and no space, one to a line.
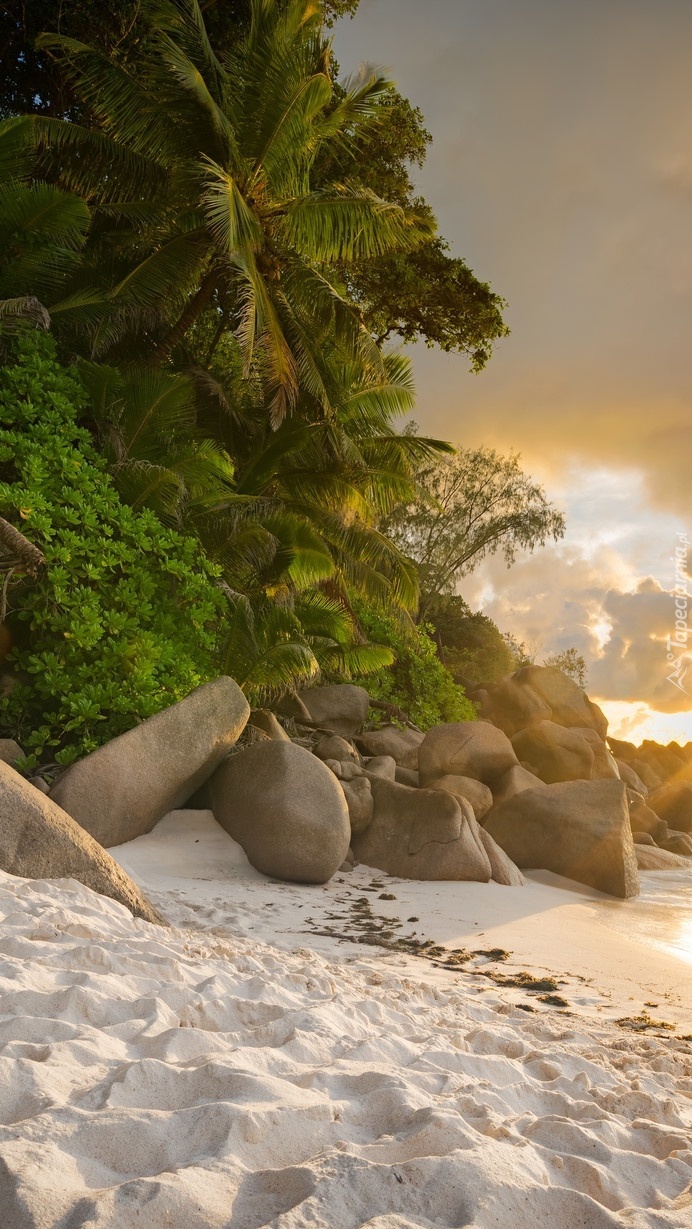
16,552
194,308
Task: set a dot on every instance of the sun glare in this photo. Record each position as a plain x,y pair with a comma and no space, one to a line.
637,721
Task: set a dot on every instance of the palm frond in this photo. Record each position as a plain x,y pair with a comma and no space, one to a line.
168,275
183,21
230,220
25,309
128,112
349,223
16,147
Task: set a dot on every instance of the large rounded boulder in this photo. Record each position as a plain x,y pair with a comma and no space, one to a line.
673,802
123,789
38,840
401,745
339,707
569,703
465,749
286,809
512,705
555,753
422,834
579,829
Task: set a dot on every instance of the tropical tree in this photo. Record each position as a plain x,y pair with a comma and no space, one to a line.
30,80
42,230
571,662
475,504
298,506
199,174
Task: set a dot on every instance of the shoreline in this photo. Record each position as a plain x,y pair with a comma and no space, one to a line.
243,1069
551,927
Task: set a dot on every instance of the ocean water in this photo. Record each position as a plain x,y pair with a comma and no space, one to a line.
660,917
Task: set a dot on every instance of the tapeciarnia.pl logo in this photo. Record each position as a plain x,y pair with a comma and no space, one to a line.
676,644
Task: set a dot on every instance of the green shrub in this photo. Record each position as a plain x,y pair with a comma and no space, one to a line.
470,643
124,620
417,682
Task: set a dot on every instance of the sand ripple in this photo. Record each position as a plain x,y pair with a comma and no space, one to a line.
187,1081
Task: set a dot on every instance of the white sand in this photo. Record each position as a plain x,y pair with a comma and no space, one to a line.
246,1071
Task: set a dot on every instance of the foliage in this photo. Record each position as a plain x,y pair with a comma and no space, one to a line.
315,489
476,503
41,232
226,237
146,421
424,293
271,648
32,81
417,682
469,643
431,295
571,662
199,174
124,619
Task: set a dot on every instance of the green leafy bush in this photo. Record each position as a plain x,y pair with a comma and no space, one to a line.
125,618
469,643
417,682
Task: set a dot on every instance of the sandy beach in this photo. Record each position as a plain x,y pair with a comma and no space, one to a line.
257,1065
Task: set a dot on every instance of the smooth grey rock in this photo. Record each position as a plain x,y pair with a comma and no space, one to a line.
475,792
38,840
381,766
555,752
580,829
421,834
465,749
673,802
358,794
402,745
512,705
10,751
122,790
503,869
569,703
646,774
407,776
286,809
631,778
345,770
514,781
622,750
334,747
677,842
659,860
667,762
604,763
292,706
339,707
643,819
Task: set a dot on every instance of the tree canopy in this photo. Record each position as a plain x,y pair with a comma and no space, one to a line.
474,504
227,245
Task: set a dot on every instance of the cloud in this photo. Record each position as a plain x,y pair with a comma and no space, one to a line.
635,722
558,598
561,171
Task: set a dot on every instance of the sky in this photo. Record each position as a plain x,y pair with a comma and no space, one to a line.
561,170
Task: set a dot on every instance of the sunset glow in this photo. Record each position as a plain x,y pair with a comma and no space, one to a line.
635,722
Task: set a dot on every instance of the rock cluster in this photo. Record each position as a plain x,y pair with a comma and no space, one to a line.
534,783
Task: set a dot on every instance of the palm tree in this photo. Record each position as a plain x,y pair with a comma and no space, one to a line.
199,177
41,232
